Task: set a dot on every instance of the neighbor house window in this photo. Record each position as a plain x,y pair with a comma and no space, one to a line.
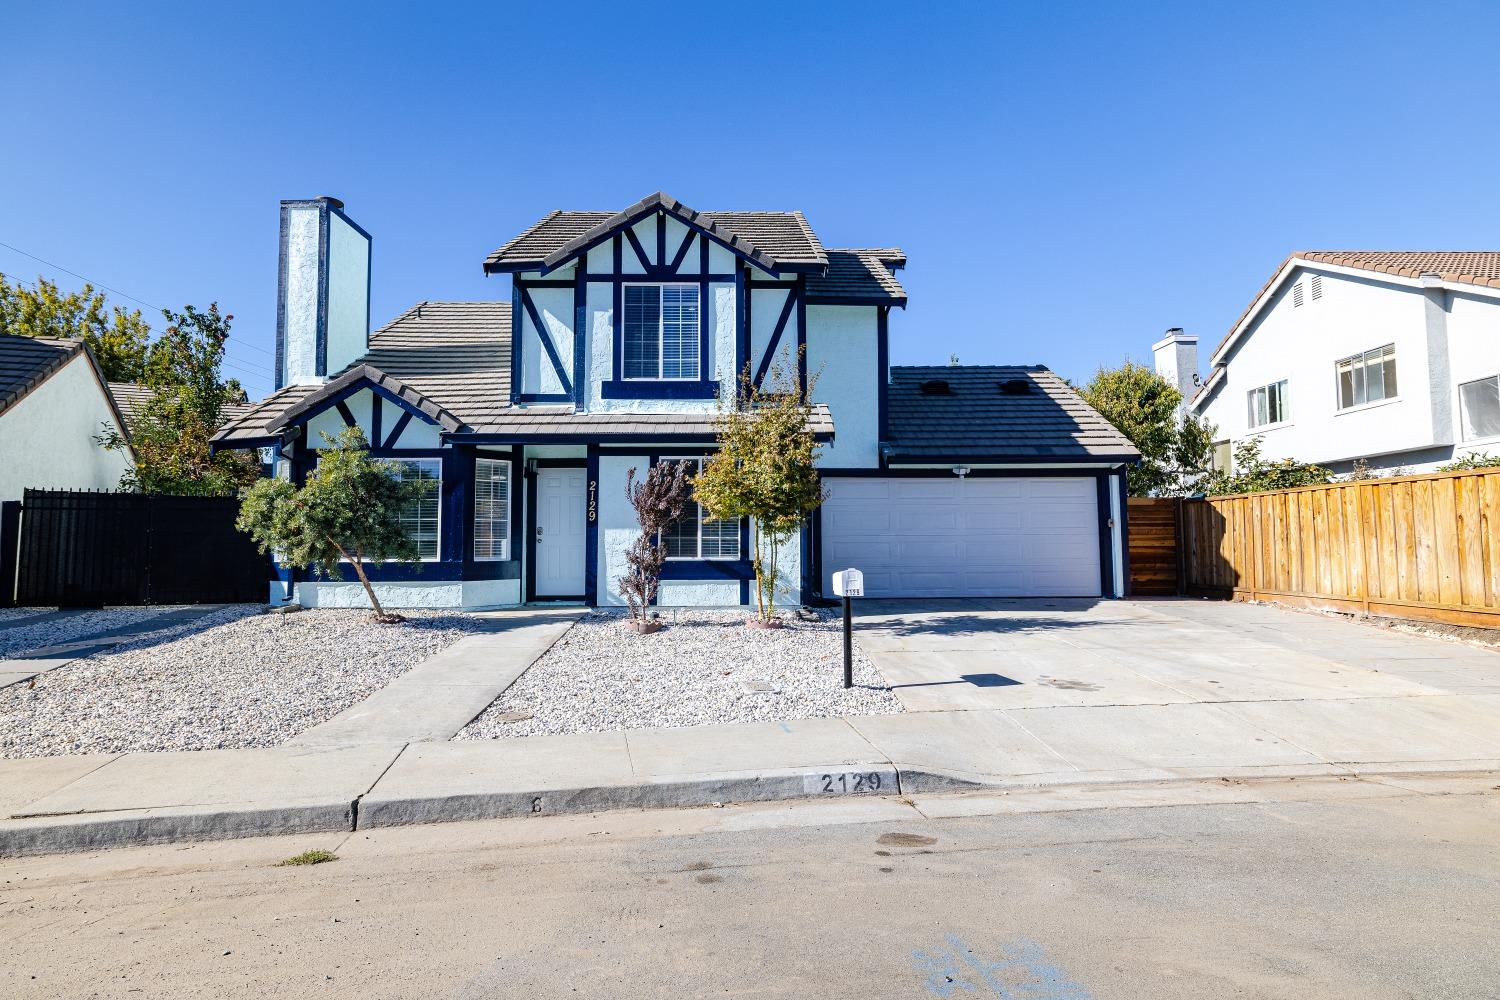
661,332
694,536
491,509
1479,408
1221,457
1368,377
420,517
1269,404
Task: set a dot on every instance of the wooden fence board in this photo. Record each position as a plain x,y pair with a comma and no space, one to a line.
1425,546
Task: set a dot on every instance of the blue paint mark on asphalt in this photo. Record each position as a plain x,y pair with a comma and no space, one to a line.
784,727
1023,972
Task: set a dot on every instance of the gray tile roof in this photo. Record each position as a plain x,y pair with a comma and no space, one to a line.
449,358
977,420
26,362
857,275
775,239
132,397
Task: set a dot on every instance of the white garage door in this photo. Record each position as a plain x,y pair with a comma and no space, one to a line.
951,537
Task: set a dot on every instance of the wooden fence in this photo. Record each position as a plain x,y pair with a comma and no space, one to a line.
1155,525
1410,547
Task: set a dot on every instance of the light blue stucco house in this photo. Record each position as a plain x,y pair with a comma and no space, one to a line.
620,335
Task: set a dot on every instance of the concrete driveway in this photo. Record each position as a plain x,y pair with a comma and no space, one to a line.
1125,688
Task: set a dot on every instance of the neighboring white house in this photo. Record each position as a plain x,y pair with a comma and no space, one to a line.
53,405
610,350
1388,356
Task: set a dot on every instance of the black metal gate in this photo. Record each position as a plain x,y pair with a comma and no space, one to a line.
85,549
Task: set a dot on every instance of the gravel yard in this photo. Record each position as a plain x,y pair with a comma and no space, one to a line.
705,668
238,678
16,636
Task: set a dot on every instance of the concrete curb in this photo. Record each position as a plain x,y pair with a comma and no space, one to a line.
89,832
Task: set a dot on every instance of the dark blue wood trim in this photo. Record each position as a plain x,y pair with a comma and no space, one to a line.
801,294
377,415
897,459
896,472
661,239
545,397
705,370
883,367
322,362
617,314
884,302
457,521
546,341
548,283
651,389
530,532
281,280
515,341
781,322
1106,548
707,569
558,463
814,555
345,414
580,336
742,326
358,386
682,250
395,435
640,251
591,536
641,440
775,270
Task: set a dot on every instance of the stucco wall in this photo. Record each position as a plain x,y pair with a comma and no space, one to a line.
843,353
348,293
1303,345
300,356
1473,323
438,594
418,433
554,306
47,439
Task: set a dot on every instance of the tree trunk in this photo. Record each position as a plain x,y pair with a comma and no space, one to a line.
359,571
760,593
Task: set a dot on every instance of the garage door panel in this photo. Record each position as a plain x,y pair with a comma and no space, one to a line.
930,537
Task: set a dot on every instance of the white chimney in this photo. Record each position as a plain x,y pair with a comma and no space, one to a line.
1176,357
323,292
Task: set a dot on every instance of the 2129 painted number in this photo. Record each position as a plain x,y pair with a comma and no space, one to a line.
844,784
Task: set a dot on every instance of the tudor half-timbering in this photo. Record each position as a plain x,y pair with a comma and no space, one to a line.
621,335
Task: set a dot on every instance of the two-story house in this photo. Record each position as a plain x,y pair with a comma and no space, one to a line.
1385,356
621,335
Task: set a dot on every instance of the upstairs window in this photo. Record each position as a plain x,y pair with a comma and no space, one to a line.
1479,408
1368,377
661,332
491,509
694,536
1270,404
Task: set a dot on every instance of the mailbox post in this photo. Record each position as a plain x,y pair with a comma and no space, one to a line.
849,583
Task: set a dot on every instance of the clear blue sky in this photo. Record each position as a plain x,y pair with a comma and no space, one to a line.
1068,180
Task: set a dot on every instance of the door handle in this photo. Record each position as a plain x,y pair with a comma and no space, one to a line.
539,533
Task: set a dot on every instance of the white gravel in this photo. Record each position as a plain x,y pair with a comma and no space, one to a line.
235,679
705,668
17,639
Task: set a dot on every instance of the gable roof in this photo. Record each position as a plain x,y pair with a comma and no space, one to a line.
449,358
27,362
975,421
859,276
1480,268
776,241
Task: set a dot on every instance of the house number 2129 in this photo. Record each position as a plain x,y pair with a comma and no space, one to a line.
593,500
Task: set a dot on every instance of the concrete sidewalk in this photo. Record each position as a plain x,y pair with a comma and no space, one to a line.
1123,691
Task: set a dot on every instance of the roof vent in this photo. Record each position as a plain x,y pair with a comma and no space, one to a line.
1015,387
936,387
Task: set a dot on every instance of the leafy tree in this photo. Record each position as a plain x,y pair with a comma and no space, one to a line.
349,511
117,338
1473,460
1254,473
171,434
764,470
659,499
1143,406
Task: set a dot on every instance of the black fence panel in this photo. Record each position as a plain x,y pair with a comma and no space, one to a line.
83,549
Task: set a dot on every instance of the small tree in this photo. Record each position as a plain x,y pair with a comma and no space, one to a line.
118,339
170,437
764,470
659,499
349,511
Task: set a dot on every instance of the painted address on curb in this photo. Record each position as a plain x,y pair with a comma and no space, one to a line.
845,783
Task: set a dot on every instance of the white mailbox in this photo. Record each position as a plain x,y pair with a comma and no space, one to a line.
849,583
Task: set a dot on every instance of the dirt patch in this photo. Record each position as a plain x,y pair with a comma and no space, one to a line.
905,840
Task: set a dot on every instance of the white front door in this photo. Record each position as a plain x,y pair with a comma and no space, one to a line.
560,532
976,537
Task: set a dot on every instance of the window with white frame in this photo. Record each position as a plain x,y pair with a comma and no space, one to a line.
1368,377
694,536
421,517
660,327
1270,404
1479,408
491,509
